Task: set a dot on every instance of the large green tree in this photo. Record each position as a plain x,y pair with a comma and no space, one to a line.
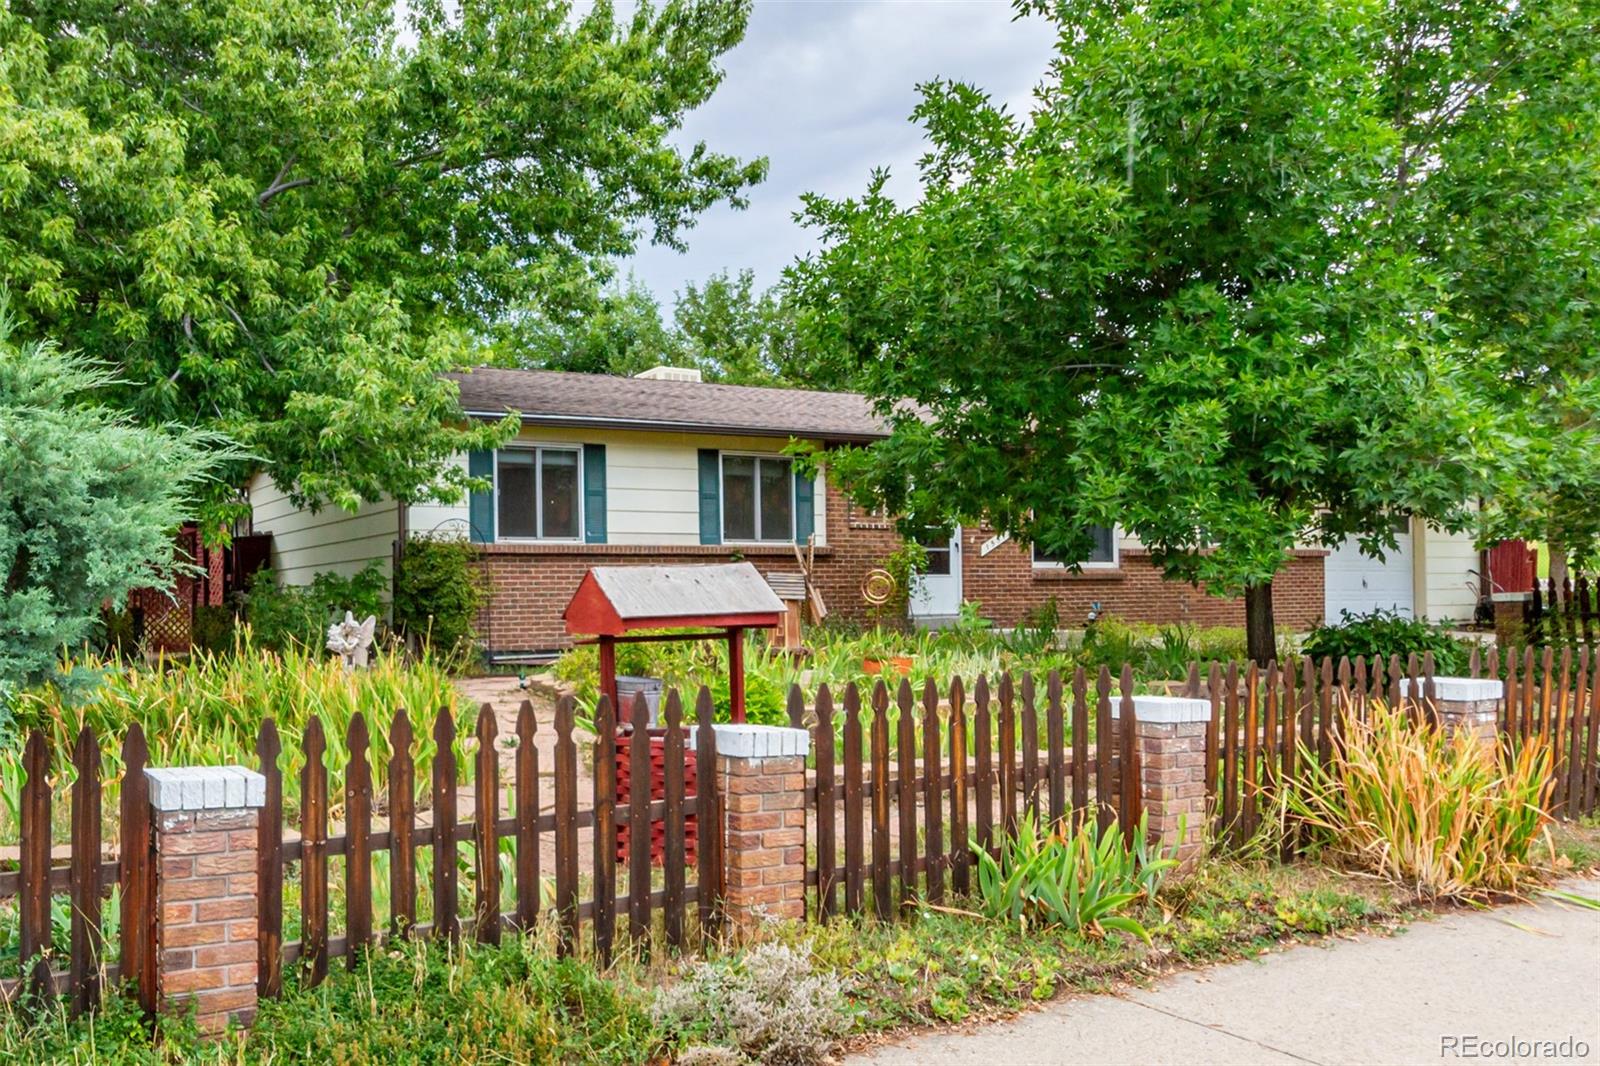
283,218
1497,184
88,502
725,327
1170,301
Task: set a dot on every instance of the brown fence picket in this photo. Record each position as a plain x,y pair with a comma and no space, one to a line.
35,939
485,838
314,853
881,902
1055,741
446,922
1580,699
566,785
1510,723
1558,722
1132,798
402,828
708,817
855,852
674,850
827,808
1325,712
137,875
906,800
932,793
269,877
605,828
983,745
1230,756
960,839
1252,740
1213,737
1028,713
1269,729
1008,757
527,812
1591,758
1103,730
358,841
86,943
1080,746
640,831
1291,719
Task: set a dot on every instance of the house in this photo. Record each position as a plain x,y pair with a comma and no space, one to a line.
664,468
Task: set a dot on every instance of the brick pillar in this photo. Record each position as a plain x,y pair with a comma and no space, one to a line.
1172,768
1509,608
1467,705
206,893
761,775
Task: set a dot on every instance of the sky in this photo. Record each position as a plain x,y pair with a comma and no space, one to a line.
824,89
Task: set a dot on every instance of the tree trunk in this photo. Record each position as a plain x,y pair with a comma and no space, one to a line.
1261,640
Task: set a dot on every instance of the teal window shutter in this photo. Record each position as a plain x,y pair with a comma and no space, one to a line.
594,493
710,497
805,507
480,506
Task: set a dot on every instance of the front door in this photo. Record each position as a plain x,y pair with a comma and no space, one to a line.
936,592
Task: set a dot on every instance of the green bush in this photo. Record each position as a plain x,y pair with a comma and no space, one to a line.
1380,634
438,592
299,615
416,1002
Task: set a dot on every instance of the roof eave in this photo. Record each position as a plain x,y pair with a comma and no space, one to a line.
672,426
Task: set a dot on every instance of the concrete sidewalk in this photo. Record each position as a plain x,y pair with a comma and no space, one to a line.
1371,1000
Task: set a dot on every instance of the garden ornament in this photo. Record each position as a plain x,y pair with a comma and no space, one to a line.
351,639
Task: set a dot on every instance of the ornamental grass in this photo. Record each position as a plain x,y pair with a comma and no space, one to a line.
1438,811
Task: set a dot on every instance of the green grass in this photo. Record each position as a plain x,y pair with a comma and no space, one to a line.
425,1003
419,1003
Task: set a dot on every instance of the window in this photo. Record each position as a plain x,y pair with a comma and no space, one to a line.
1102,556
538,493
757,498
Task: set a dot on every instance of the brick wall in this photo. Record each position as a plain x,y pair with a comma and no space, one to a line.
1007,584
206,917
531,583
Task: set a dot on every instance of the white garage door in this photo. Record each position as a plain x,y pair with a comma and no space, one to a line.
1359,583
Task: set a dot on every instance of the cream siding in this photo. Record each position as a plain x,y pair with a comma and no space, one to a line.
652,484
331,540
1449,576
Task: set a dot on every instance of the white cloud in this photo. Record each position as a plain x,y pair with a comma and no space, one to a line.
824,89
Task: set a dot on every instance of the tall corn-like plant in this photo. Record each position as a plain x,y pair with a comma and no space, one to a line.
1084,878
1438,811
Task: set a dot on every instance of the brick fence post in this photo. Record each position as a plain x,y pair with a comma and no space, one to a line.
204,825
1469,705
761,776
1509,612
1171,733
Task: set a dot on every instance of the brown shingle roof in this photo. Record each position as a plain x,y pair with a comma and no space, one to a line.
553,397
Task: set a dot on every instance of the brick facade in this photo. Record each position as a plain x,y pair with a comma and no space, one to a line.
532,582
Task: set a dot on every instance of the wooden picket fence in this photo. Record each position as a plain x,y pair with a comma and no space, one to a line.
521,822
1567,614
981,762
304,856
901,784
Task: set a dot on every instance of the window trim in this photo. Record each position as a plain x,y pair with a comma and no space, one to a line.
722,496
538,492
1115,562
